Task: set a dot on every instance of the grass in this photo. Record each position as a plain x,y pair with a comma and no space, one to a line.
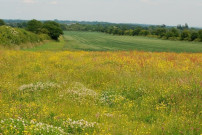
100,93
94,41
49,46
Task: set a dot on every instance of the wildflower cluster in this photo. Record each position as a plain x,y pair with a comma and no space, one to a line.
21,126
79,92
42,128
38,86
79,125
12,30
111,98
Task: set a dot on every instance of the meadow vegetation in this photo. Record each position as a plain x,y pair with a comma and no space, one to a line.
100,92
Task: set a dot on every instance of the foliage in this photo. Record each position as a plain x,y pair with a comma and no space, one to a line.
54,30
185,35
34,26
194,36
14,36
200,35
2,22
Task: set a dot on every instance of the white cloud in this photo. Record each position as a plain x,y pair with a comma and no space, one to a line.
149,2
29,1
53,2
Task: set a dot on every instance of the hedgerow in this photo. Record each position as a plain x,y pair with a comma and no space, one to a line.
16,36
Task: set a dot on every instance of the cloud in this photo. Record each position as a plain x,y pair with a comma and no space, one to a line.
149,2
29,1
53,2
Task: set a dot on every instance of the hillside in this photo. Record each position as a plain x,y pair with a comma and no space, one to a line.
10,37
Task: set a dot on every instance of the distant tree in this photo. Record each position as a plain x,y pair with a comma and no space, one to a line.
34,26
179,27
127,32
185,35
144,32
21,25
186,26
115,31
2,22
194,36
137,31
175,32
160,32
54,30
169,34
163,26
200,35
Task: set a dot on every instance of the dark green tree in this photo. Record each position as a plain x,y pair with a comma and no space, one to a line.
175,32
169,34
200,35
54,30
194,36
34,26
160,32
185,35
186,26
144,32
179,27
2,22
137,31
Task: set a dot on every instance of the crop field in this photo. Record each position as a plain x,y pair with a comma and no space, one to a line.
94,41
57,88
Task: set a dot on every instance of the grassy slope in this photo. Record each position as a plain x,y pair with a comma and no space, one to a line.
49,46
93,41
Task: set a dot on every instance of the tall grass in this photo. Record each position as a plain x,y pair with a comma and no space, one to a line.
100,93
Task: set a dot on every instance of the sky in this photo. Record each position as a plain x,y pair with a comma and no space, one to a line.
169,12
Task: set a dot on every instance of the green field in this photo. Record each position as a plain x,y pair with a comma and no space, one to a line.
94,41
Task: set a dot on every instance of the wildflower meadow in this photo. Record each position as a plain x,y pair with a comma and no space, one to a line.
106,93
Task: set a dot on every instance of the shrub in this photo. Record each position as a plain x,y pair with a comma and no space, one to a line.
2,22
185,35
200,35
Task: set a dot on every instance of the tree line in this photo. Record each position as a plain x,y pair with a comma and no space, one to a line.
180,32
55,28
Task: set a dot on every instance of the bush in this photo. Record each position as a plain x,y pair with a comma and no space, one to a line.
2,22
185,35
194,36
200,35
